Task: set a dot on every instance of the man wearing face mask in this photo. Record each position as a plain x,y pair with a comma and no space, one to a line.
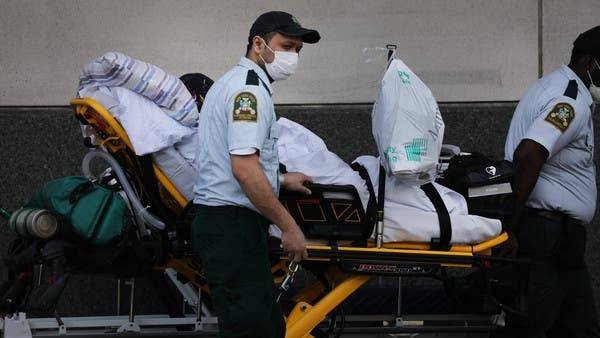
551,143
238,181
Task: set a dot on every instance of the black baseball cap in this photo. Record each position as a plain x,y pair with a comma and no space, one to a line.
283,23
588,42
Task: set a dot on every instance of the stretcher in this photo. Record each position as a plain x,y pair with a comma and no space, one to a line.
345,262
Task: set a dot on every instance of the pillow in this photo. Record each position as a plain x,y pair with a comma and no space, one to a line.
115,69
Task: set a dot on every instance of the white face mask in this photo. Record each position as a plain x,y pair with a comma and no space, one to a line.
284,64
594,90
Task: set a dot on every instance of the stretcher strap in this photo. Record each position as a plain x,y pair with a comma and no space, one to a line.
442,242
371,212
381,194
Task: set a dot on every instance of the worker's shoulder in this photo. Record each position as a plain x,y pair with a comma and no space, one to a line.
242,79
552,89
561,84
233,83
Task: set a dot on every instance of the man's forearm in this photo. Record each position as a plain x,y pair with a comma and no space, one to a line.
256,186
524,181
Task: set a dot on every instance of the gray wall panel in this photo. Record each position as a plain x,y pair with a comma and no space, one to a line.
562,22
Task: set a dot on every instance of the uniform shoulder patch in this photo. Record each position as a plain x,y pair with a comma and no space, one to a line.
245,107
561,116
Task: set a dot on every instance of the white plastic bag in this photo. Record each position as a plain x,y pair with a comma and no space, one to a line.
407,126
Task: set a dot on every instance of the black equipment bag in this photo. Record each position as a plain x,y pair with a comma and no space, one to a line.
485,184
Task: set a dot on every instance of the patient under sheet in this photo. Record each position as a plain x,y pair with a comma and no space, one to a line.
151,131
300,150
409,215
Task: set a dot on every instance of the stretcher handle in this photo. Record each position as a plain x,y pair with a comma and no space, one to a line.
294,266
391,51
380,207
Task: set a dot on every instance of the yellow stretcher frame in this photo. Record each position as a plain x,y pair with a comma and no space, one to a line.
116,140
309,310
307,313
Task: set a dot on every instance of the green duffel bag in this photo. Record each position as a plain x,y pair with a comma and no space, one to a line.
89,212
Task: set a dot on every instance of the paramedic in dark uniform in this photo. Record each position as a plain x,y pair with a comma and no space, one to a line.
551,144
238,181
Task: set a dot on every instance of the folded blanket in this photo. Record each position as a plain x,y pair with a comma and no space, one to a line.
115,69
148,128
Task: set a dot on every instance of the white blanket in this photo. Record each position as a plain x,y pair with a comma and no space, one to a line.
178,169
115,69
148,128
301,150
409,215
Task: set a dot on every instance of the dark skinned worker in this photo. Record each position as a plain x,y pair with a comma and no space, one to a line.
551,144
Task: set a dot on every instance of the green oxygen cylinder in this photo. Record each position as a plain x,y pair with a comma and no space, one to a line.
31,222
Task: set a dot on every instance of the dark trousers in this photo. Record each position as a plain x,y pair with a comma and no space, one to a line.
231,245
560,297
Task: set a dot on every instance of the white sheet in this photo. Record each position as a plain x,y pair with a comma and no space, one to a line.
148,128
177,169
295,140
302,151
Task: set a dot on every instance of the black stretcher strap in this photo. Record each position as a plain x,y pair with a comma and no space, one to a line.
440,243
381,194
374,212
371,211
443,242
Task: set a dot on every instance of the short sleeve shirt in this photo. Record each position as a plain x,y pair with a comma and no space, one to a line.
556,113
237,117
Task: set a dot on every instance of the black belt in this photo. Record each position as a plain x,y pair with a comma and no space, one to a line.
222,209
553,215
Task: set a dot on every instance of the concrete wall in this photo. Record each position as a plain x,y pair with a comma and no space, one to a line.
563,21
466,50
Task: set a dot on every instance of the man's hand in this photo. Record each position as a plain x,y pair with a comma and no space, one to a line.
247,171
294,243
296,182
